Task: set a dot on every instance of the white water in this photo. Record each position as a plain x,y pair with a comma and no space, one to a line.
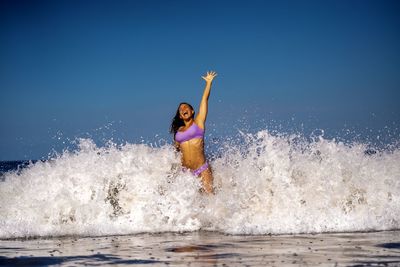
265,184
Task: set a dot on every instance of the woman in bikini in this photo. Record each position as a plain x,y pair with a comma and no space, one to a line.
188,131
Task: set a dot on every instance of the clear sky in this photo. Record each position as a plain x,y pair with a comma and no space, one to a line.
118,69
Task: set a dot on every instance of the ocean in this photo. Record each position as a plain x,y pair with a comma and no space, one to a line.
205,248
267,186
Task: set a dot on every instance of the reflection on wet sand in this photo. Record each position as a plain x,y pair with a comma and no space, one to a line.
208,249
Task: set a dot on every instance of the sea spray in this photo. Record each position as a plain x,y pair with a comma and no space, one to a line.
285,184
265,183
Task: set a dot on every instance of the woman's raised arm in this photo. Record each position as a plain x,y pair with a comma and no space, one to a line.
202,115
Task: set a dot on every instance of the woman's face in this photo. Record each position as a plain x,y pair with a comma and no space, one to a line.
185,112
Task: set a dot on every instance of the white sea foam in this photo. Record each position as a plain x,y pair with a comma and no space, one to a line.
264,184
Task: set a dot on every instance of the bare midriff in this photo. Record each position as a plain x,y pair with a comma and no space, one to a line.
193,153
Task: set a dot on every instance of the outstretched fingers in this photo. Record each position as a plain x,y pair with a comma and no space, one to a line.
210,76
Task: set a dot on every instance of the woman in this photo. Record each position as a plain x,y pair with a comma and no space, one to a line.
188,133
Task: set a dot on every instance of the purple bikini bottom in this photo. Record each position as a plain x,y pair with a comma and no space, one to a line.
198,171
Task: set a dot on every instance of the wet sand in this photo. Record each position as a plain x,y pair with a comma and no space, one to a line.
207,249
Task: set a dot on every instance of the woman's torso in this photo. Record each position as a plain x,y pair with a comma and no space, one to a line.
193,149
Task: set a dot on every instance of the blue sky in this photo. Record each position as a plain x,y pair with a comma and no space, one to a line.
118,69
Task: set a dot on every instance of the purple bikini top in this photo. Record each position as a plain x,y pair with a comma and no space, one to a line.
192,132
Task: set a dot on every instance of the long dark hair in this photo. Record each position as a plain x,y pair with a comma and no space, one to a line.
177,121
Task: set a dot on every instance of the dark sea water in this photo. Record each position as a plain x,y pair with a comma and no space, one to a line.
15,165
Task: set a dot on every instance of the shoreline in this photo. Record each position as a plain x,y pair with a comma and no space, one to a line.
204,248
185,232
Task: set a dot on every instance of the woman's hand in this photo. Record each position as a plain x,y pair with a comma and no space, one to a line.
210,76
